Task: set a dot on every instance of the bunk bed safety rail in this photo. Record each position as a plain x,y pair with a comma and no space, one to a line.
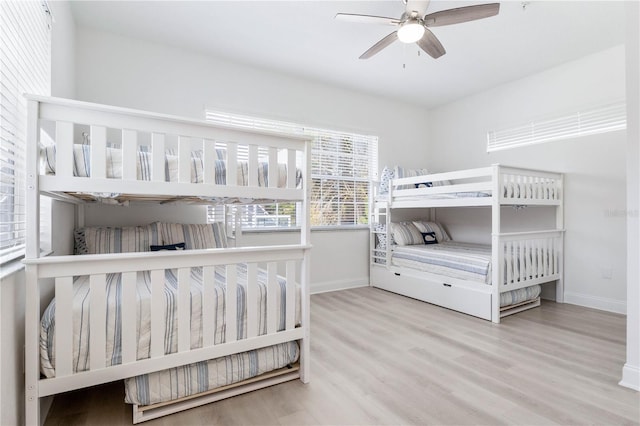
140,148
530,186
477,187
529,258
429,184
63,269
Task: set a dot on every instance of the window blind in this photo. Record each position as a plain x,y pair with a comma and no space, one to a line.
600,119
342,167
25,67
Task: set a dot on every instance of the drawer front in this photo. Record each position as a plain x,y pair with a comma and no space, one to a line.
439,292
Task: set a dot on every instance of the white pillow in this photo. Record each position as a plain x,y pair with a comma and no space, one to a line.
406,234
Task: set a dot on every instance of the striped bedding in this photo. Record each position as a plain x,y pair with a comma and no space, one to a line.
82,166
454,259
196,378
142,388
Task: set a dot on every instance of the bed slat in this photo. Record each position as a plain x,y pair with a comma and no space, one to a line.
157,313
252,294
64,326
253,165
64,148
291,295
291,168
208,305
273,288
184,309
273,167
157,157
209,162
129,154
184,159
232,164
231,323
129,338
97,321
98,152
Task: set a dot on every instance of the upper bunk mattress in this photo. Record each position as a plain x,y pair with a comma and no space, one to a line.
114,162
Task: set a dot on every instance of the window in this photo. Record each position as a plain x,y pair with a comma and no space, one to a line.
25,68
601,119
342,168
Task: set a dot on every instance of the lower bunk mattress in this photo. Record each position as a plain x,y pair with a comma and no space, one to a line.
465,261
181,381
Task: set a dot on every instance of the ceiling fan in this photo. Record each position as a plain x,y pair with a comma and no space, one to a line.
413,25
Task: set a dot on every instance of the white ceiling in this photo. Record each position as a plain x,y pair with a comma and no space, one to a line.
301,38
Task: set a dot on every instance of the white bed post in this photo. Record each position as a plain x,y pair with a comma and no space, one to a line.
496,258
305,274
560,226
32,309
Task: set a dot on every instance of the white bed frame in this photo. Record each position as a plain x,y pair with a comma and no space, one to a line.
43,273
538,188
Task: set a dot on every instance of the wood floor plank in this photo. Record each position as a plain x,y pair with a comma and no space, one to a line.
381,358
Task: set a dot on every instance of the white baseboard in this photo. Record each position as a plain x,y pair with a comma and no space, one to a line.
602,303
326,286
630,377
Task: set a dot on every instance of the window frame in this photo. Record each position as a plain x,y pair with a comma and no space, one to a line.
317,134
603,118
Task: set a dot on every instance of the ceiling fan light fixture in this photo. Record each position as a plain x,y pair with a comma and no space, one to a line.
410,31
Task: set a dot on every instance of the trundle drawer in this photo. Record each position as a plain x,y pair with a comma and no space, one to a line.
434,290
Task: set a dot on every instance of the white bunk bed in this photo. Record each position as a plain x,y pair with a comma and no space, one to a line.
245,306
527,258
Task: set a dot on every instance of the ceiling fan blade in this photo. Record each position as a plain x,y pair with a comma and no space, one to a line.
366,19
430,44
461,14
380,45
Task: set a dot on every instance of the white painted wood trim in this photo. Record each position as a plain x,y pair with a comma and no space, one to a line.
336,285
601,303
97,320
630,377
129,154
98,152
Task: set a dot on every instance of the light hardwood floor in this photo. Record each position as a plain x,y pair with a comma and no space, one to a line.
380,358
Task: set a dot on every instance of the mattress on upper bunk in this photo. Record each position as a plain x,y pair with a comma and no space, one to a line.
266,361
82,166
466,261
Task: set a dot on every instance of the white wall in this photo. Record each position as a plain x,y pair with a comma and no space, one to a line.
127,72
631,370
594,166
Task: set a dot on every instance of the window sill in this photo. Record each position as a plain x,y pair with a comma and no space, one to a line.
313,229
16,265
11,267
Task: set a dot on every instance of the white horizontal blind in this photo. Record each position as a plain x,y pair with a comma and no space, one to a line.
342,167
25,60
601,119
